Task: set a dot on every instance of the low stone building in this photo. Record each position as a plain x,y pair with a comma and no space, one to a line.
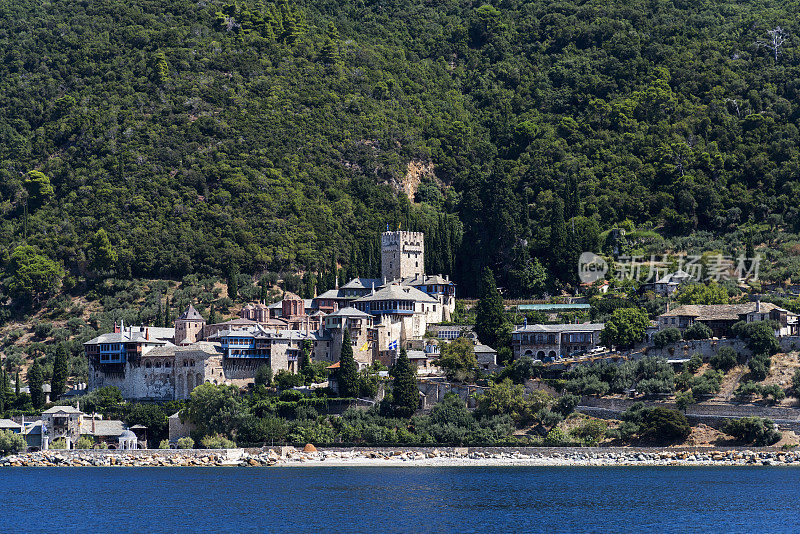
70,423
720,318
541,341
486,357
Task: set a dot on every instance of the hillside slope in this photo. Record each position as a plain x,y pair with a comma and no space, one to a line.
200,135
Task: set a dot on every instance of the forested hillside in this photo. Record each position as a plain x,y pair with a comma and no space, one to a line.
156,138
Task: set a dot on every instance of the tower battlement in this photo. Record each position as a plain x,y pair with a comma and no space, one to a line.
402,254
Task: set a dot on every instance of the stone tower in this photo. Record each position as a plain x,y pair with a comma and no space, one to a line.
402,254
189,327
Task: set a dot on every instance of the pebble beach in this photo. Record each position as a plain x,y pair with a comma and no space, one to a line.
399,457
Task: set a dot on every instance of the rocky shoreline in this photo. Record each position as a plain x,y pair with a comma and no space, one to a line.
443,457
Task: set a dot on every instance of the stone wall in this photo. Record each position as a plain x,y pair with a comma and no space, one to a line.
435,390
708,347
716,421
173,374
178,429
714,415
705,347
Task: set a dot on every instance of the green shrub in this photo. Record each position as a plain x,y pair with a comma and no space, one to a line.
724,360
694,363
291,395
58,444
707,384
286,380
566,404
216,441
556,438
773,394
759,366
760,336
683,400
264,375
747,389
655,424
163,444
84,442
655,386
11,443
754,430
186,443
794,391
666,337
590,432
697,331
663,424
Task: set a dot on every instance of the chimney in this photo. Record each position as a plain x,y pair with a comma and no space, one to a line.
116,327
93,427
147,333
758,303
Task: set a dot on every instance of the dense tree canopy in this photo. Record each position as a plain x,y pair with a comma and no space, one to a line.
277,135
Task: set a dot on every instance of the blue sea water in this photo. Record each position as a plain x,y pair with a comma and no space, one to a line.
387,499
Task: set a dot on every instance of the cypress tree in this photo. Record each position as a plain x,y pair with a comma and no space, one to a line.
159,314
60,372
558,239
212,315
16,385
4,391
35,383
405,393
167,313
264,285
305,356
489,313
233,281
352,265
334,273
348,369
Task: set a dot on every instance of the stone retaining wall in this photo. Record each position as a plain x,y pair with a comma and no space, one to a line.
413,456
719,410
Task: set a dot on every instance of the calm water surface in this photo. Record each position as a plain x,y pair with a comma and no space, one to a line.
386,499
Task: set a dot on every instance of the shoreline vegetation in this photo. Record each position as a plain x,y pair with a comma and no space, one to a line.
409,457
